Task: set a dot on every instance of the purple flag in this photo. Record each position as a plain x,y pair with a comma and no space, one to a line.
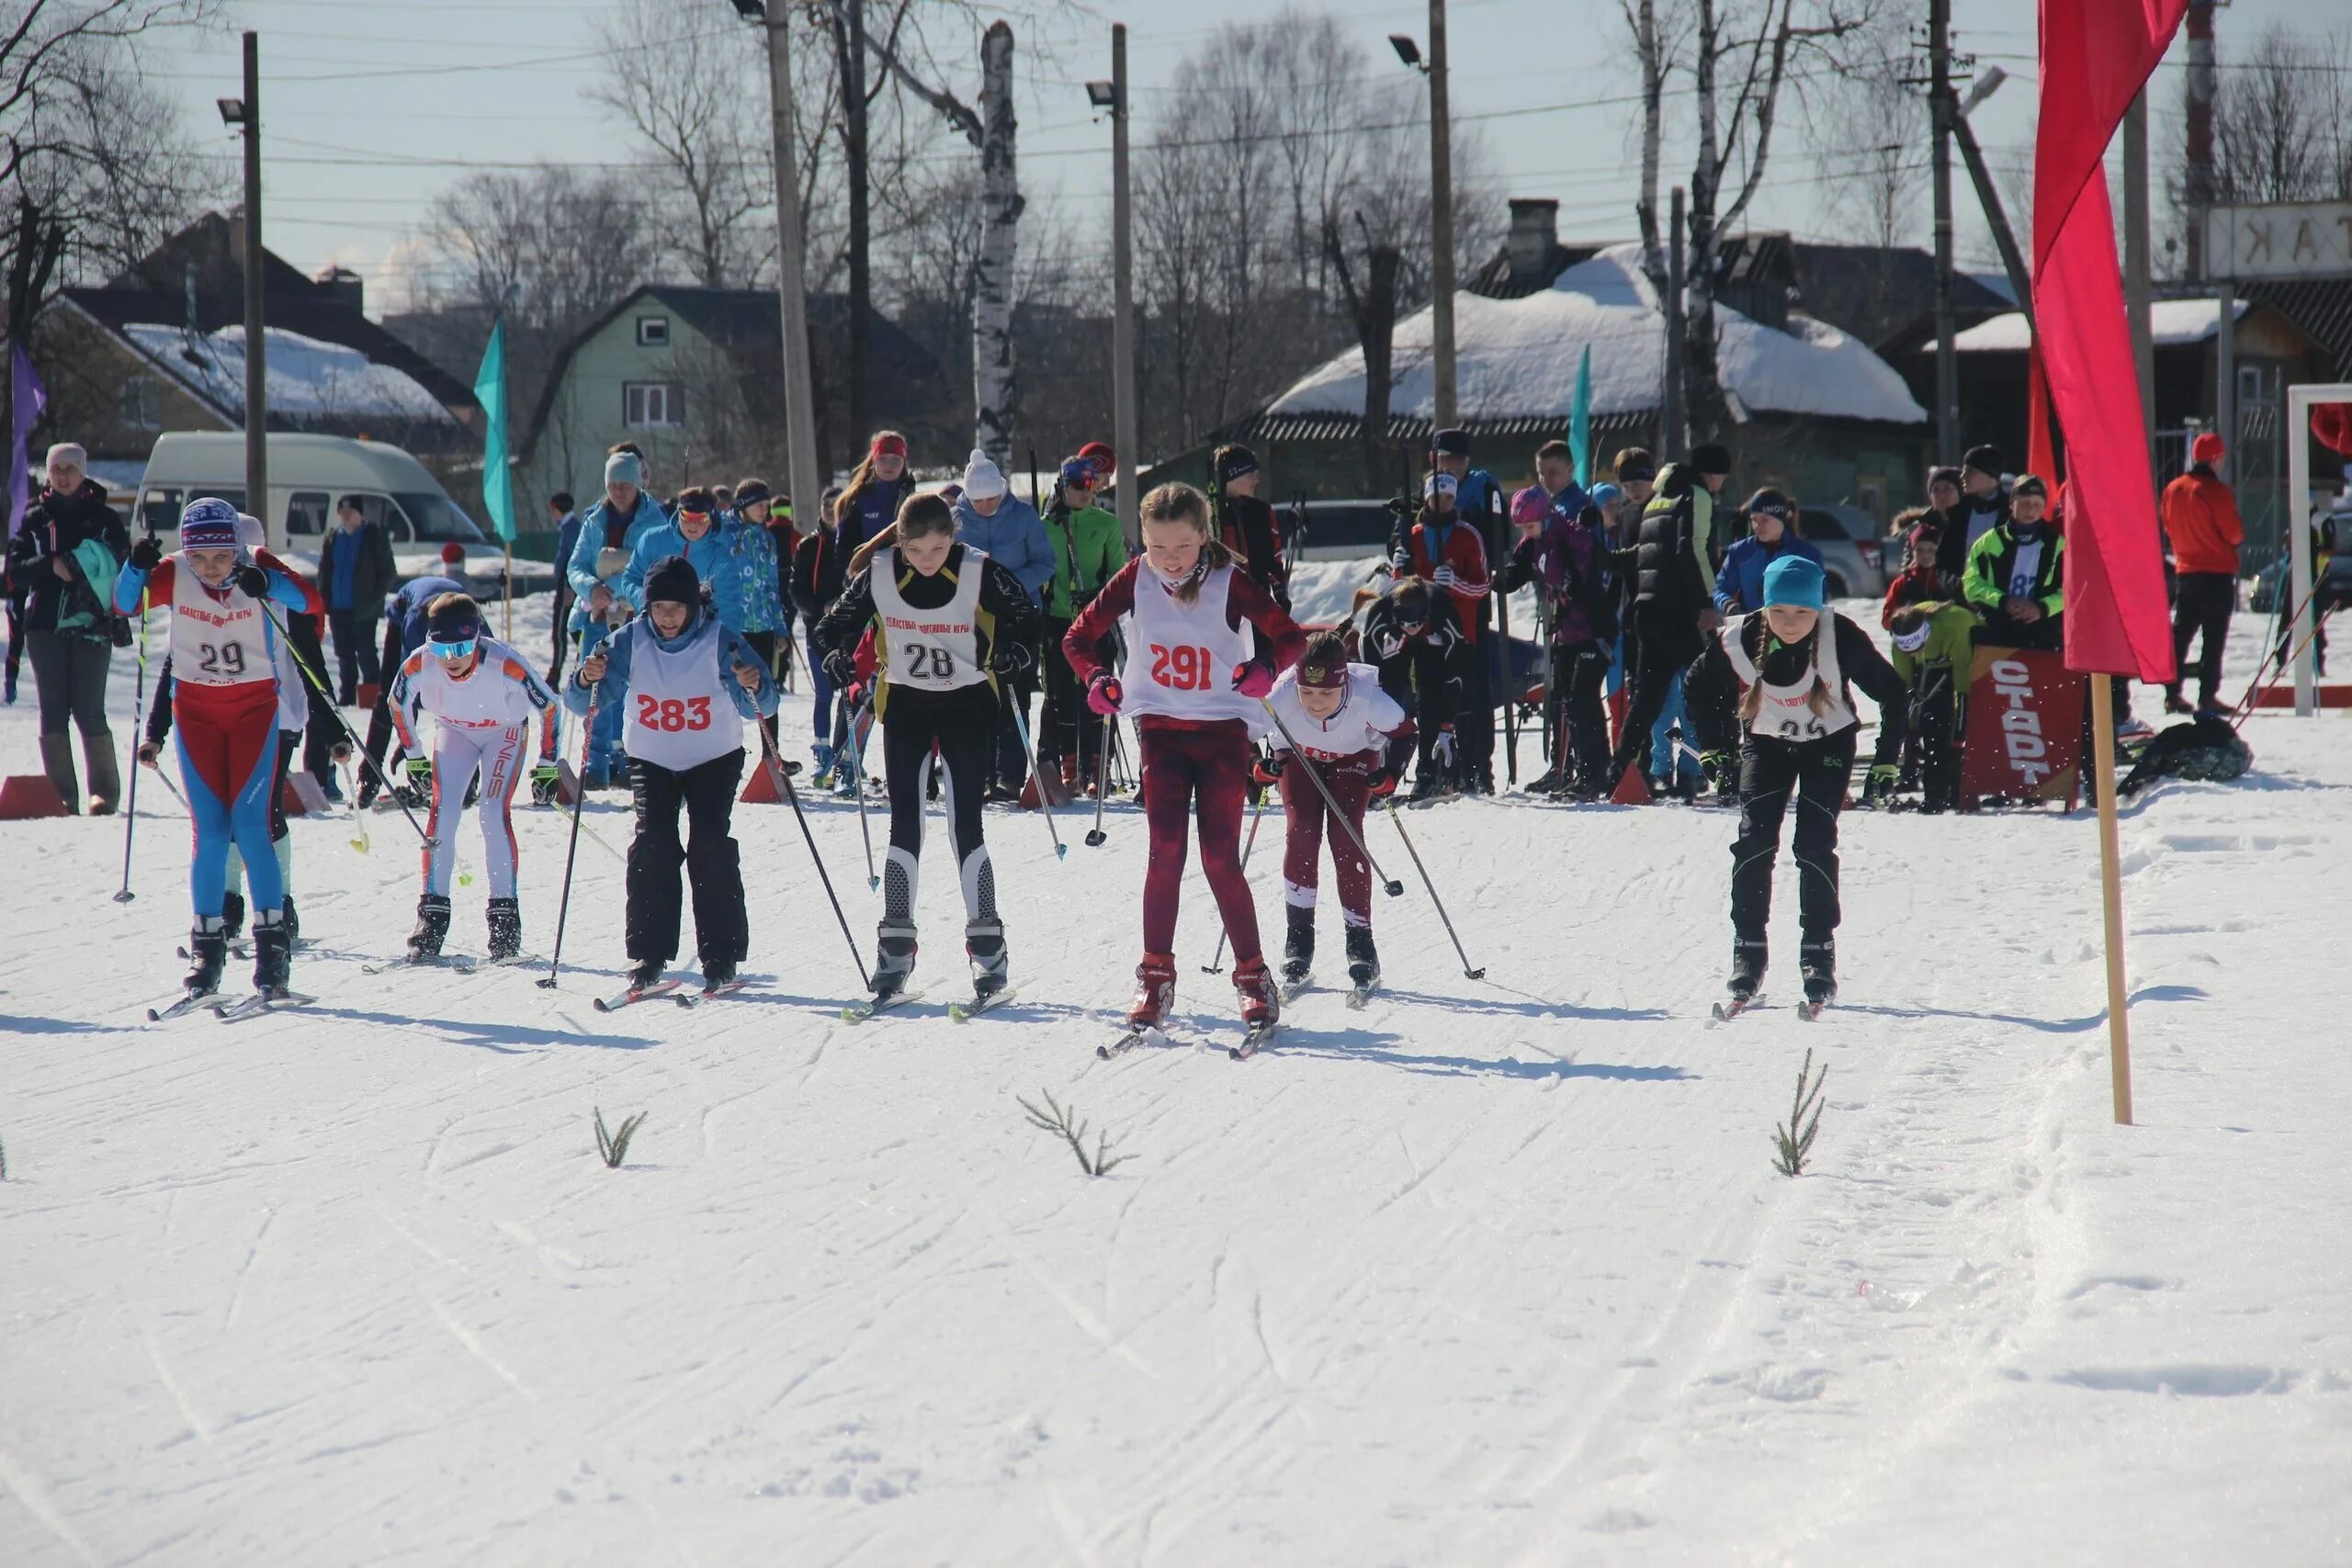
31,396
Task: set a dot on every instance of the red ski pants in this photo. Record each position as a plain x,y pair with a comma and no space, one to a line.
1196,772
1350,781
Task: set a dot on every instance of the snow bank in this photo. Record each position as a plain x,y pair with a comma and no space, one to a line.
1518,358
308,378
2170,323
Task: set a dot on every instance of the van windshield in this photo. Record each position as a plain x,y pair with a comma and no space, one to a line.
436,519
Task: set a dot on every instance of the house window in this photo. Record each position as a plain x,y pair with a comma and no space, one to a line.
2254,389
653,405
142,403
654,331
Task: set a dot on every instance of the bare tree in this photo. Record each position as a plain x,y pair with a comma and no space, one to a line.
2282,121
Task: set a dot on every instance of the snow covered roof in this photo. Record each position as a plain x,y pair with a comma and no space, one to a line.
1518,358
2170,323
309,379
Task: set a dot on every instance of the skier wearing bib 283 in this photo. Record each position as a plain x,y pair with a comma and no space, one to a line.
1205,642
1795,659
482,697
225,702
685,683
1359,738
949,623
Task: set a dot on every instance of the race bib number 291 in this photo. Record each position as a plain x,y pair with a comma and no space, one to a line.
1184,669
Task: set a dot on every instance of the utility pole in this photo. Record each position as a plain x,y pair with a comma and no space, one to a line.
1123,295
1441,220
1940,113
1670,410
2135,260
245,113
801,475
2197,166
861,221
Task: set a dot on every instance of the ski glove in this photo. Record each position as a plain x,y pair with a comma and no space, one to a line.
1253,679
1103,694
253,581
1009,658
147,554
1381,784
1268,768
841,668
420,773
1722,769
1445,577
1879,785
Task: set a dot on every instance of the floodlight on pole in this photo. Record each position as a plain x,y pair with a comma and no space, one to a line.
1407,50
232,111
1989,81
1102,94
751,10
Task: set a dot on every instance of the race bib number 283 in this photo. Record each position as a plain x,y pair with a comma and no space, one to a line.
671,714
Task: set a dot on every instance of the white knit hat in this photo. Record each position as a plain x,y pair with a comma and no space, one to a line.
983,480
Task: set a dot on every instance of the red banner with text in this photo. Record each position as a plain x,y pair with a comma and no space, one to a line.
2025,726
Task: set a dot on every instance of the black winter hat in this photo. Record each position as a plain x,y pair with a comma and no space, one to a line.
1233,462
1707,457
1944,476
1774,502
672,581
1985,460
751,493
2030,484
1451,442
460,620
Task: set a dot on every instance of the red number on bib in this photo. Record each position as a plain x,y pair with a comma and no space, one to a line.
698,713
648,712
1186,668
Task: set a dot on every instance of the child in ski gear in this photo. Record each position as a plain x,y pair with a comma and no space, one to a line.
1411,635
1202,643
1007,530
2016,579
1357,738
1448,551
1934,654
1088,550
1771,533
1244,524
1795,660
683,685
609,534
482,697
222,646
404,627
949,622
1564,554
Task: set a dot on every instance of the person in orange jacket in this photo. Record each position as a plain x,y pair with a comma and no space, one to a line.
2201,519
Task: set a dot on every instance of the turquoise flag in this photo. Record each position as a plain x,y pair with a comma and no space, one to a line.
489,387
1580,421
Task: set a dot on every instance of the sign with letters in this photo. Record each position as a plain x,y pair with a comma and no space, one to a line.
2025,726
2282,238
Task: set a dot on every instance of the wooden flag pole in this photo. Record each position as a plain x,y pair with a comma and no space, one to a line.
2111,876
508,546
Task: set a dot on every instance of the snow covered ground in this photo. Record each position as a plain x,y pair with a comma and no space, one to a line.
1491,1273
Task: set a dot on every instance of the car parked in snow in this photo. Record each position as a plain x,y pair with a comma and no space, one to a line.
1852,559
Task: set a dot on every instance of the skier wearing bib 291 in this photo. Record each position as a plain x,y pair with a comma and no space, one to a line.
483,698
224,702
1794,658
684,684
949,624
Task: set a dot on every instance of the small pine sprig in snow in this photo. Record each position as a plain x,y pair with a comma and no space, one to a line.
1062,1121
613,1146
1794,1142
4,1162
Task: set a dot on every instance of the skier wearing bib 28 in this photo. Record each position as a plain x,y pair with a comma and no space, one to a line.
948,622
685,683
225,702
1359,738
1796,658
482,697
1205,642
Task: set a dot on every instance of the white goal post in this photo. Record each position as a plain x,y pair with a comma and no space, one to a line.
2300,399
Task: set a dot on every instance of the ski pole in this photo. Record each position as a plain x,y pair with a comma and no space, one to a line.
1217,964
1388,885
1393,817
359,819
131,813
357,748
579,799
857,768
792,796
2254,693
1102,779
1021,723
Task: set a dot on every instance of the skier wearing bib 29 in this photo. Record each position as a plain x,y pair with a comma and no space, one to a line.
1796,658
224,702
483,698
949,623
1204,644
685,684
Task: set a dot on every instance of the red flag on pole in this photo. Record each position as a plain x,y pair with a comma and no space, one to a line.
2096,56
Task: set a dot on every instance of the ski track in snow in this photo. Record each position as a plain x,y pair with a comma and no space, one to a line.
1488,1272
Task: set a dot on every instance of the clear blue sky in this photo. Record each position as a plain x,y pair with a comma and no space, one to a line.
372,106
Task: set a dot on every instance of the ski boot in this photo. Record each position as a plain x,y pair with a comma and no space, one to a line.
368,789
1363,960
273,952
506,927
207,944
1298,946
432,927
984,944
894,961
232,915
823,777
292,921
547,785
1261,1004
717,972
1818,959
1746,971
1155,991
646,973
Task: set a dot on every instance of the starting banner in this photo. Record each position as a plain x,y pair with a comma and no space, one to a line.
2025,726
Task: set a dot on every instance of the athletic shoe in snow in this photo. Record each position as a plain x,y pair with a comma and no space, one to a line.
646,972
1261,1003
1155,991
432,927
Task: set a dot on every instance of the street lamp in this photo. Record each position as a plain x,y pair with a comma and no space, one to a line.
232,111
1407,50
1111,97
1441,208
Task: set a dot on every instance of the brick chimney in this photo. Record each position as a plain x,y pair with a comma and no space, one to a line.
1534,236
343,286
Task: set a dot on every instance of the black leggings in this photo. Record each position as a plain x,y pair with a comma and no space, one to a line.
1815,772
962,726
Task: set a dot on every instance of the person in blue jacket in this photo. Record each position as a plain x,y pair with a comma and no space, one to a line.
617,523
990,519
1771,534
